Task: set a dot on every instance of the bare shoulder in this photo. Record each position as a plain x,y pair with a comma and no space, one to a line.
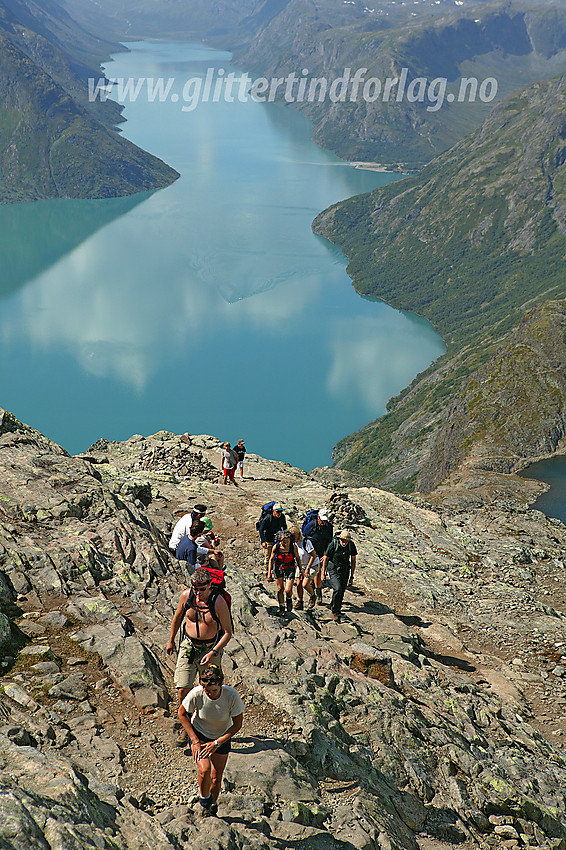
184,597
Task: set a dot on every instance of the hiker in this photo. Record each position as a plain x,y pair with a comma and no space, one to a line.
306,550
339,561
240,450
271,521
209,540
229,459
283,562
211,714
204,616
188,547
183,526
320,535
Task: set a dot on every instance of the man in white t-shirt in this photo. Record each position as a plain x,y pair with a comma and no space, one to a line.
311,565
183,526
212,714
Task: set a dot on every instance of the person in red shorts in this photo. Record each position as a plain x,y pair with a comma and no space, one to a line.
229,460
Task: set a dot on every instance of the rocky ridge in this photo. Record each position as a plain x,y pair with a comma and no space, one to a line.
432,716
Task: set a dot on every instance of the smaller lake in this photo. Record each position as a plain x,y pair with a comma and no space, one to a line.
207,307
552,471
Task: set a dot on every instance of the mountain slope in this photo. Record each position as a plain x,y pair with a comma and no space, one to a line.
472,241
514,43
51,144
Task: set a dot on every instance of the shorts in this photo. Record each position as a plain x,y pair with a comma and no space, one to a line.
222,750
188,666
240,464
284,572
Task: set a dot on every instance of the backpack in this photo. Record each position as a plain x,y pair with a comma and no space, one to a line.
309,522
218,589
266,509
278,554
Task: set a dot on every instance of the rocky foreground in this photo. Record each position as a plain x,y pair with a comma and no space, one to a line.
431,717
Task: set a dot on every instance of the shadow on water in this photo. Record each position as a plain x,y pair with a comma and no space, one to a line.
36,235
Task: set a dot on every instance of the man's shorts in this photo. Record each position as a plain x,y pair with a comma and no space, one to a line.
240,464
222,750
188,668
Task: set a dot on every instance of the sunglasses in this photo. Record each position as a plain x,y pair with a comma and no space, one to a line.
201,586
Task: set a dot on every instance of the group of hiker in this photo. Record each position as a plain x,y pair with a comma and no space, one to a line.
210,714
307,556
232,458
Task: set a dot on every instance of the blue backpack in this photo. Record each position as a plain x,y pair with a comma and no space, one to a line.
309,522
266,509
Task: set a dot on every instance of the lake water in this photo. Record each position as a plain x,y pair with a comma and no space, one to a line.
209,306
553,472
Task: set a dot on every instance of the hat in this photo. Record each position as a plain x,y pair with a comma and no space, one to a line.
345,535
277,507
200,509
323,514
207,523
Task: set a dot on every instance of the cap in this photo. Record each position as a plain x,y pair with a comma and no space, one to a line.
323,514
207,523
277,507
345,535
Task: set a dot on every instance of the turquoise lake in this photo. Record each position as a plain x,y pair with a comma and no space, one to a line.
209,306
553,472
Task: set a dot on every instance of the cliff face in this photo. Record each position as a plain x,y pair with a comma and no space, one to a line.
469,243
431,715
515,43
51,141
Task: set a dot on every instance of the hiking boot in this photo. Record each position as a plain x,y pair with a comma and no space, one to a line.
289,603
281,610
312,602
213,810
300,605
318,592
182,738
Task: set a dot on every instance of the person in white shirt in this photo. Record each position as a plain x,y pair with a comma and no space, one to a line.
212,714
183,525
311,565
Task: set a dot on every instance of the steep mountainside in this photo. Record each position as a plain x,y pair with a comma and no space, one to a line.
511,409
471,242
51,141
515,43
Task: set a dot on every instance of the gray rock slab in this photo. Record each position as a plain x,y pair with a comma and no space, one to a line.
5,630
45,667
73,687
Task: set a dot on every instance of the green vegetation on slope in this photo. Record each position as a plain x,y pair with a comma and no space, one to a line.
469,244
